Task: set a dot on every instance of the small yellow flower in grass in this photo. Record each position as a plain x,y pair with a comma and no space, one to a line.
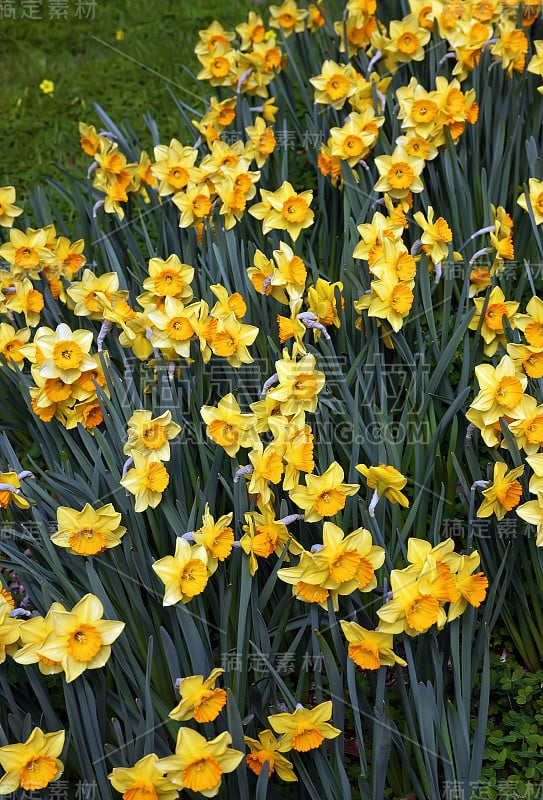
199,699
47,86
88,532
184,574
284,210
119,35
151,435
32,765
503,493
501,390
8,211
198,765
147,480
264,751
471,587
217,538
384,480
305,728
323,495
80,638
33,632
144,781
535,193
370,649
228,427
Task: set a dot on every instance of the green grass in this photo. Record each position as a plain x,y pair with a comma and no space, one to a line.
87,64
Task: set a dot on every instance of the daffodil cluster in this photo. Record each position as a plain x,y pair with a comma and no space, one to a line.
65,376
112,174
435,576
147,447
315,306
67,641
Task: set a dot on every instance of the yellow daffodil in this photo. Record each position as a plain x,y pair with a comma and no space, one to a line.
80,638
340,566
436,235
32,765
147,480
151,435
200,700
503,493
321,300
335,84
10,491
217,538
264,751
501,390
492,329
384,480
228,427
284,210
231,340
399,174
471,587
173,167
414,607
299,384
8,211
288,17
305,728
33,632
531,323
527,425
87,292
184,574
144,781
528,358
323,495
198,765
9,629
88,532
370,649
167,278
26,252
